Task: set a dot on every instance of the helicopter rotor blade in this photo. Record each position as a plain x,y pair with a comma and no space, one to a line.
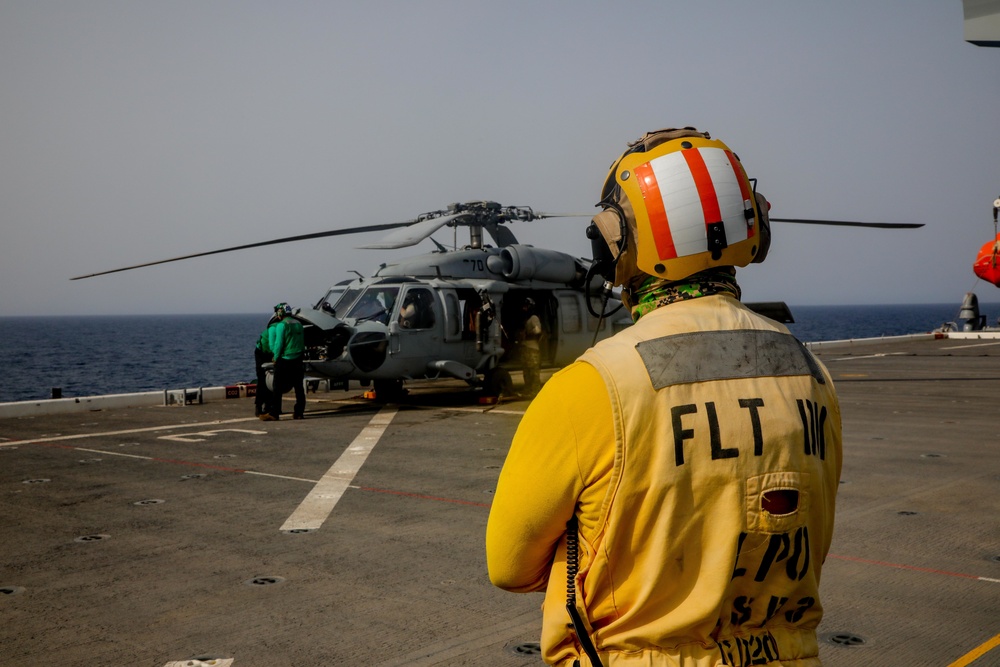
541,216
414,233
850,223
802,221
287,239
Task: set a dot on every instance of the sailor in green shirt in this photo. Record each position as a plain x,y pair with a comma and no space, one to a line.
287,343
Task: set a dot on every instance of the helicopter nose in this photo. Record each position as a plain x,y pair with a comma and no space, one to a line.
368,349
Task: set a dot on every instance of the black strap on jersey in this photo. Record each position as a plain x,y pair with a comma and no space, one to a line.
572,566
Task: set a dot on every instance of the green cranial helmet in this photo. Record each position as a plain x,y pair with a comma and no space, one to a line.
282,309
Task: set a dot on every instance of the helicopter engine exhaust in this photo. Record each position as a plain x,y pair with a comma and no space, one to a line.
521,262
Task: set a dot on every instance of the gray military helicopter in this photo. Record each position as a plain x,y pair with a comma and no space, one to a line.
452,313
456,313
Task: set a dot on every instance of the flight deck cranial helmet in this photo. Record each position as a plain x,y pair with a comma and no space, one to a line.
676,203
282,309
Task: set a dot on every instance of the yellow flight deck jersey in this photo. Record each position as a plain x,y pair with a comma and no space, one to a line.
700,450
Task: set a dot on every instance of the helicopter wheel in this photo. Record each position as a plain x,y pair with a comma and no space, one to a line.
388,390
498,382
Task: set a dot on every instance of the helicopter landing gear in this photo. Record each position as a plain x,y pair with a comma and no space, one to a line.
388,390
497,382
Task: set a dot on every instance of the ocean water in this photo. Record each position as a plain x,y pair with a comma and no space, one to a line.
87,356
814,323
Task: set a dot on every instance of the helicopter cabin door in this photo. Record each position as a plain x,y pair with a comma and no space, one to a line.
416,331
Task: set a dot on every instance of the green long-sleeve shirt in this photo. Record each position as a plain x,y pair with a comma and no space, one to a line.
286,339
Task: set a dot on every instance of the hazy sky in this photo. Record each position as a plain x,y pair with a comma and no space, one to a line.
134,131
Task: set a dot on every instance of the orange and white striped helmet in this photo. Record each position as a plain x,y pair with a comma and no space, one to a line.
687,204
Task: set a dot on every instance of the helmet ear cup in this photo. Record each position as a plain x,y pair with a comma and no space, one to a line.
607,228
607,234
765,228
604,259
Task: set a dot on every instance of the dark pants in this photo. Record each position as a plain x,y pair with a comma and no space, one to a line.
263,400
289,374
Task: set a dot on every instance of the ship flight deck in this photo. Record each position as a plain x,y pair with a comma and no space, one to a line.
197,534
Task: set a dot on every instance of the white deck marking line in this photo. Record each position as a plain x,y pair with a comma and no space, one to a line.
190,437
316,507
871,356
107,453
157,458
81,436
962,347
271,474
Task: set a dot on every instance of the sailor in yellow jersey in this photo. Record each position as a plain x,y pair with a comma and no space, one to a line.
681,475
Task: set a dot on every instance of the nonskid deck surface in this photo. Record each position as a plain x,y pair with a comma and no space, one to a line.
151,536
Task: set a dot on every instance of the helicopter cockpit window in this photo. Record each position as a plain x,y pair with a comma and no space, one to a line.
337,300
375,304
330,299
417,311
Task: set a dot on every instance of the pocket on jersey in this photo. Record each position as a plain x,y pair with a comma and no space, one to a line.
777,502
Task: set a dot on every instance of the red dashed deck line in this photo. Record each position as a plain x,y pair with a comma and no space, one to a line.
454,501
914,568
424,497
180,462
